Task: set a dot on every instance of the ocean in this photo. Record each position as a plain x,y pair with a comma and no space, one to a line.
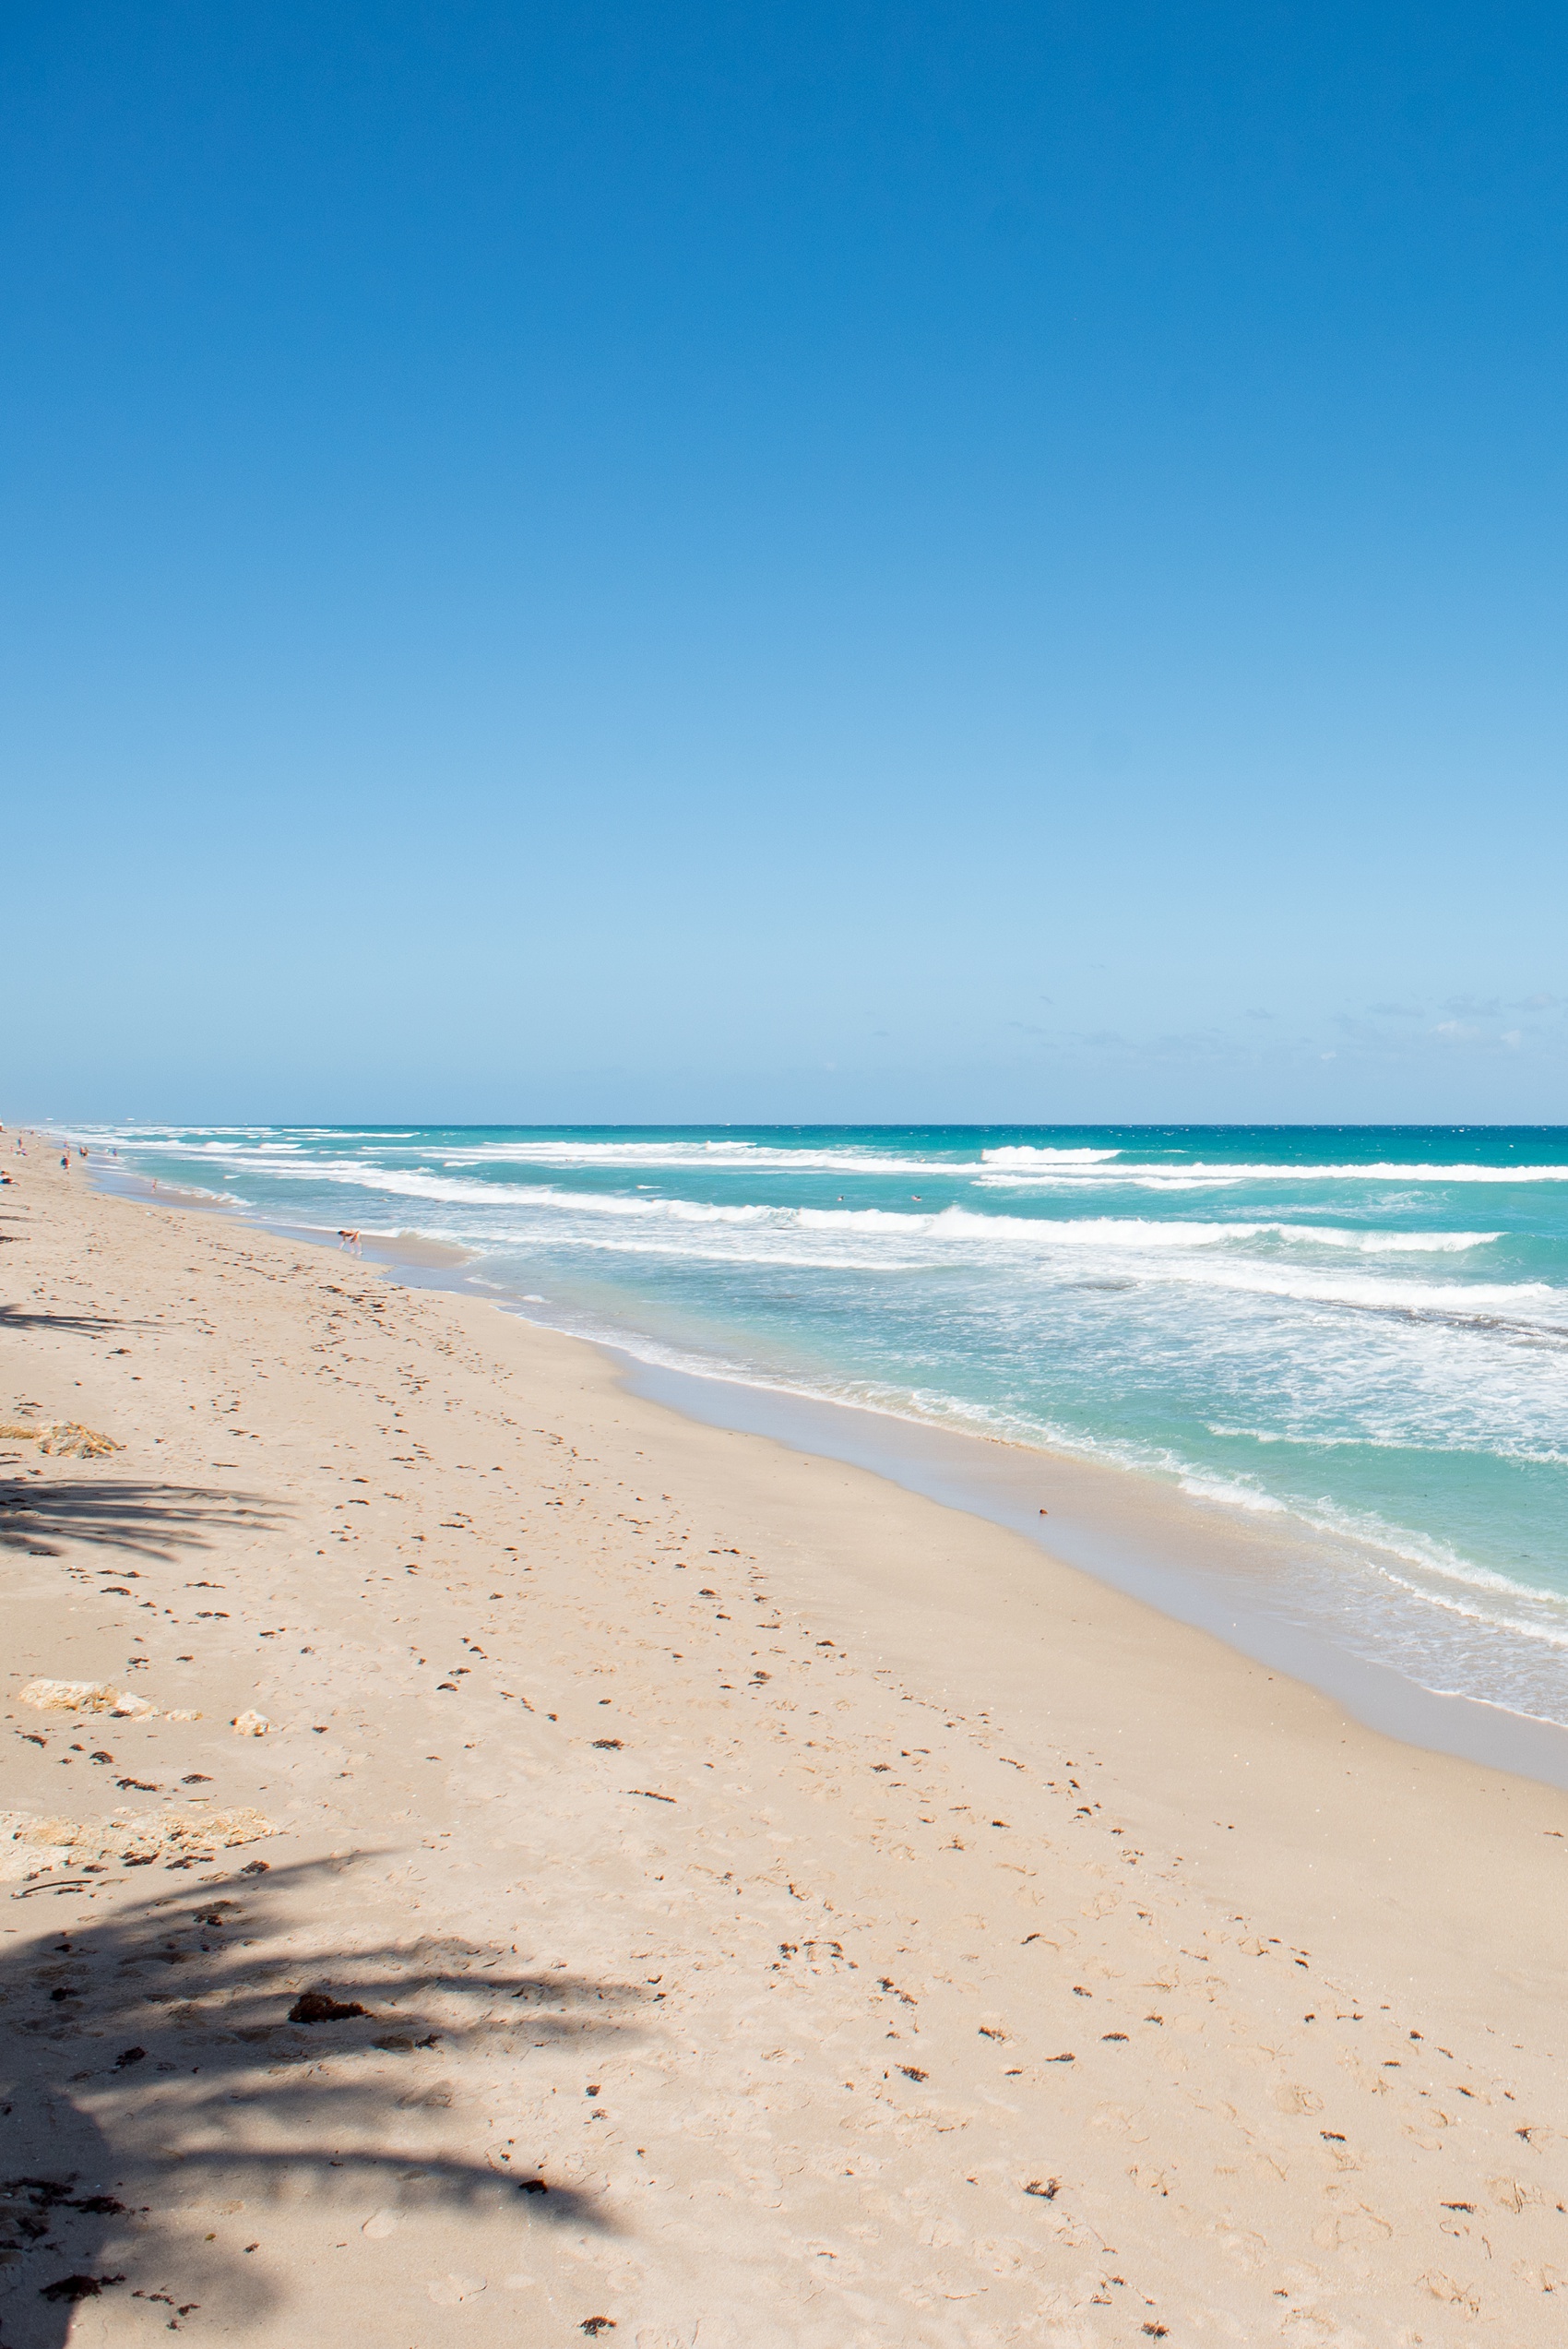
1353,1338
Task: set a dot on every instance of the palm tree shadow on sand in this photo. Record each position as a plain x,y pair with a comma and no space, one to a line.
17,1321
187,2048
145,1520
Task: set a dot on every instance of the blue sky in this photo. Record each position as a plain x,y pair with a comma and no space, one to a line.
609,561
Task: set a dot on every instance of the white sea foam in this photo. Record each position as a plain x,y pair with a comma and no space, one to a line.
700,1157
1234,1494
1197,1175
1372,1243
1213,1255
1116,1234
1486,1444
1025,1154
1443,1578
881,1240
1001,1166
1172,1251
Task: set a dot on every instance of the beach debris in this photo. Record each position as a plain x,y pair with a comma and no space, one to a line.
319,2006
84,1695
250,1724
44,2196
31,1846
78,2287
65,1438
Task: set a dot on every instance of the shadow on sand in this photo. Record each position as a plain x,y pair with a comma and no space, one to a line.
187,2048
155,1520
15,1320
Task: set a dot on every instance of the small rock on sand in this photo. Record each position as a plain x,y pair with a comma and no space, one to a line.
67,1438
84,1695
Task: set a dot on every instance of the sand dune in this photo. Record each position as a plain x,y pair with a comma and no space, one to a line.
713,1897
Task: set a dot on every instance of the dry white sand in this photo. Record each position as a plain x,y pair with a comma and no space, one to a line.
784,1911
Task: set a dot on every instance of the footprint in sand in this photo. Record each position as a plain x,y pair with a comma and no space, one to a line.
1350,2225
379,2228
451,2291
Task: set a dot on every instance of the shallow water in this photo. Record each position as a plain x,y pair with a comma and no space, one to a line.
1359,1335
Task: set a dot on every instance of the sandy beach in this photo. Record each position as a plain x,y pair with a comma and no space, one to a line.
663,1885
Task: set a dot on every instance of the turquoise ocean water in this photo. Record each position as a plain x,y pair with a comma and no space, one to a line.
1359,1335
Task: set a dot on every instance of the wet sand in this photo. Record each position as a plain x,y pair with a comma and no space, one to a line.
783,1908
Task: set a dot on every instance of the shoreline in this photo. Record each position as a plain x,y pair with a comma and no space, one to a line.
1194,1561
743,1900
1137,1545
